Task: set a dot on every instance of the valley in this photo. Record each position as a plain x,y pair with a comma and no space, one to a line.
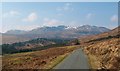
102,51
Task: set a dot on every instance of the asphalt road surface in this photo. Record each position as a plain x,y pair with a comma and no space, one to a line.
76,60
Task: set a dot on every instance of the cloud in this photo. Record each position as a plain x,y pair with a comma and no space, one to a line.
114,18
66,7
27,27
20,27
10,14
89,15
31,17
51,22
14,12
68,4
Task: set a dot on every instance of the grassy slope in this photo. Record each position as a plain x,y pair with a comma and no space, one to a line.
45,59
104,54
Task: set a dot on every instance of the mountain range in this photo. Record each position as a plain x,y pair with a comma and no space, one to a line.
61,31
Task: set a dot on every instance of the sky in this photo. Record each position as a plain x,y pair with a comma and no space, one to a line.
60,0
31,15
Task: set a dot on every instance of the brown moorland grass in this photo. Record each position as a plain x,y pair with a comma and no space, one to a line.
104,54
44,59
103,50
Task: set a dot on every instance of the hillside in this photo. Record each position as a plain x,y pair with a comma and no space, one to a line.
112,33
103,50
32,45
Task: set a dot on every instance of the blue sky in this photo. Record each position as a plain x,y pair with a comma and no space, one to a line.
30,15
59,0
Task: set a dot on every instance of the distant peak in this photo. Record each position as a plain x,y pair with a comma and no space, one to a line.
15,32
